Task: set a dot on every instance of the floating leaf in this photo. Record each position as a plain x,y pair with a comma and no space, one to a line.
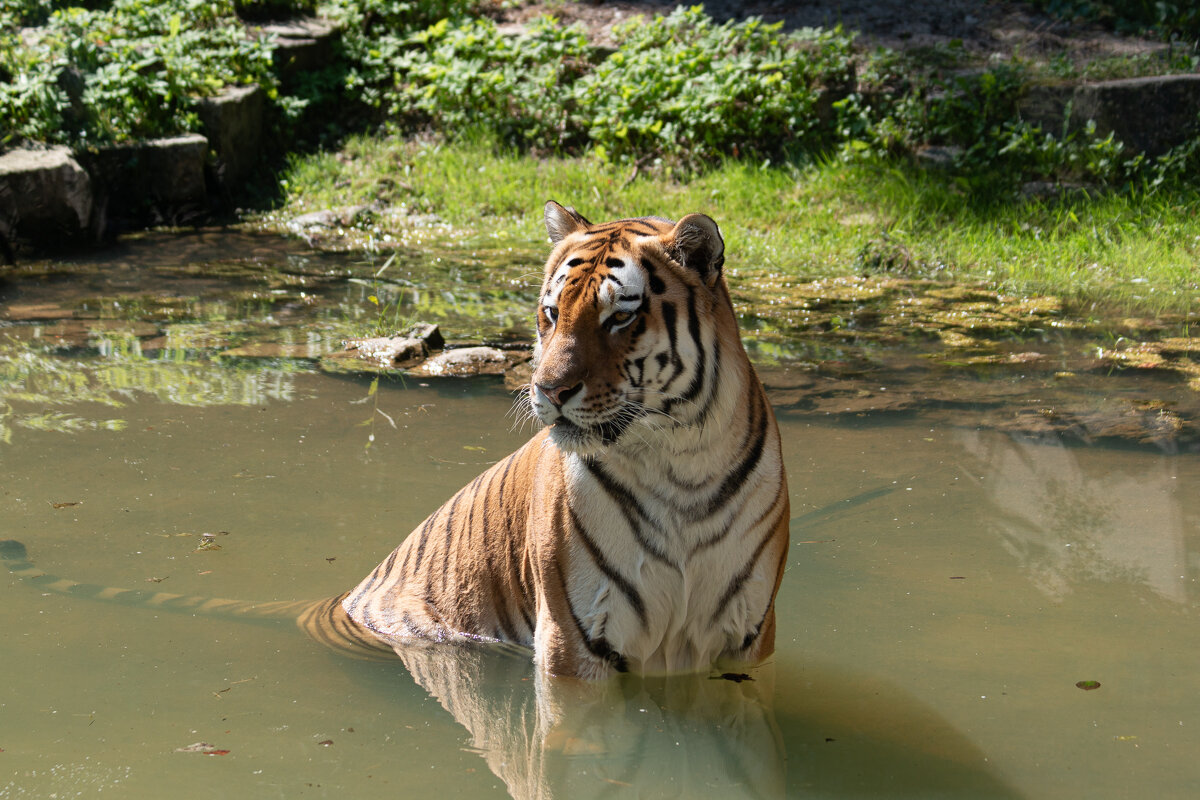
1087,686
736,677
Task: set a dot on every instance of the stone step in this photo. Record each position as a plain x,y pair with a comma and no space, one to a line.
45,199
1150,115
155,182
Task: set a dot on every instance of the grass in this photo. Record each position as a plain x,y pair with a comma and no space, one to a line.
1129,252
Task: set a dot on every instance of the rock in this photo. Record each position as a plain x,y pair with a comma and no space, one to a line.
385,351
156,182
518,376
301,45
465,361
233,123
1149,115
428,333
938,157
325,218
340,217
45,200
1181,346
39,312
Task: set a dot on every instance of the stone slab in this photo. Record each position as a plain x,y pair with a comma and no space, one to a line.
156,182
302,45
45,200
233,122
1150,115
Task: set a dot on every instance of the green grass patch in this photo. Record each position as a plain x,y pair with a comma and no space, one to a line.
1136,252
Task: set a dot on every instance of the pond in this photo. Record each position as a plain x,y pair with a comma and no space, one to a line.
957,585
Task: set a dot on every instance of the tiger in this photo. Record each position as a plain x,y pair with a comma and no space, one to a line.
643,529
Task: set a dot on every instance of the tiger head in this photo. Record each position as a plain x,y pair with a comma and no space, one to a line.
629,323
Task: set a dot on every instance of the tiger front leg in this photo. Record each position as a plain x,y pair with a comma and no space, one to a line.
561,648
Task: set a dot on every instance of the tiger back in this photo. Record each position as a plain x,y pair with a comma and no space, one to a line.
645,528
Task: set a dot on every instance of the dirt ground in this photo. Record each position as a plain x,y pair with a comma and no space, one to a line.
984,27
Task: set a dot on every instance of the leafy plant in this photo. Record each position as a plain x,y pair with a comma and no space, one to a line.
682,85
679,86
130,69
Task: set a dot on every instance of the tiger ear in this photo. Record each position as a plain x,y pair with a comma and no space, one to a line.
562,222
697,245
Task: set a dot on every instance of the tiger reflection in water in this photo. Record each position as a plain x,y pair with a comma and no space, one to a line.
693,736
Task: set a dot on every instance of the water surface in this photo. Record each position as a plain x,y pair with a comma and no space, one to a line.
947,588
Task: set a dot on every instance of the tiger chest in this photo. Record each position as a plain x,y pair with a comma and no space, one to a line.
648,591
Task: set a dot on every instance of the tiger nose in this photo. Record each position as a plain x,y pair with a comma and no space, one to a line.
559,394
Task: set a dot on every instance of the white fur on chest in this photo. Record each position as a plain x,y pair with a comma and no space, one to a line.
666,586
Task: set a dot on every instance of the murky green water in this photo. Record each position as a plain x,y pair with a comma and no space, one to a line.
948,587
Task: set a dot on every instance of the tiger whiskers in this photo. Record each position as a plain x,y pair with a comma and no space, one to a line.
521,410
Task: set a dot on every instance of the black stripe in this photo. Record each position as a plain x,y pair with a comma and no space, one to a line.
738,476
506,626
656,283
693,389
449,541
739,581
640,365
715,373
504,477
600,647
421,537
630,508
720,537
669,316
511,537
602,563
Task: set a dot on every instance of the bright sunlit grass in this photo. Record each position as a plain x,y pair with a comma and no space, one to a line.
1137,252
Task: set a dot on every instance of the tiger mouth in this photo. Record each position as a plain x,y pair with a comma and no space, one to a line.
570,433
